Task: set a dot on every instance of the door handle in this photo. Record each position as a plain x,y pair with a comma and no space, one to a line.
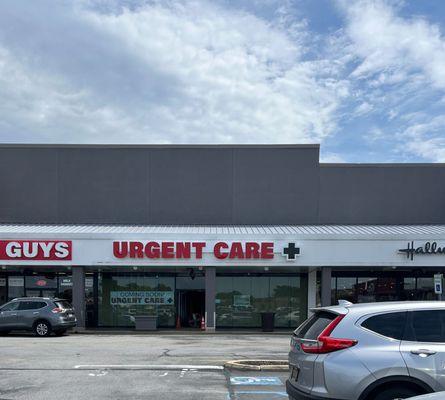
423,352
14,315
36,313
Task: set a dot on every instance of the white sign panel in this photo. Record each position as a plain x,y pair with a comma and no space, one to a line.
139,297
16,281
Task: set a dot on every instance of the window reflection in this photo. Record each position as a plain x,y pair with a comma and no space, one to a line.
382,288
346,288
119,296
240,300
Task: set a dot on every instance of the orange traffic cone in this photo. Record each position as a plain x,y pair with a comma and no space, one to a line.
203,324
178,322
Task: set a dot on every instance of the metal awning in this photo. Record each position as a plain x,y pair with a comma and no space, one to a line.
363,232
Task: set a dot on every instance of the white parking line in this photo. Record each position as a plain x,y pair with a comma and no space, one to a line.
150,367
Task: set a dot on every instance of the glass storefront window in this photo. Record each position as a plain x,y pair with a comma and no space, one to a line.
121,298
384,288
65,290
425,289
16,287
3,290
240,300
408,290
376,289
333,290
346,288
40,282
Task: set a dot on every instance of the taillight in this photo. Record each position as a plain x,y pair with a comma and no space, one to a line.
327,344
57,310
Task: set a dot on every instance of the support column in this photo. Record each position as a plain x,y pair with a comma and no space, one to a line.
210,283
311,291
79,296
326,274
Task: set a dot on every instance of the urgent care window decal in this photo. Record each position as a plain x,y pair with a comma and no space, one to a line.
38,250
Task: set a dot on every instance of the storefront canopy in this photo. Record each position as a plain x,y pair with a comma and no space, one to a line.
249,245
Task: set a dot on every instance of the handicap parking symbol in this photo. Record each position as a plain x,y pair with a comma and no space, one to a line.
257,381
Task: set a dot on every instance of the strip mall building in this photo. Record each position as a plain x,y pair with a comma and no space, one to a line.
225,232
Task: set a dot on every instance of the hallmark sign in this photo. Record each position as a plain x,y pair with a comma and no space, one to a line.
428,248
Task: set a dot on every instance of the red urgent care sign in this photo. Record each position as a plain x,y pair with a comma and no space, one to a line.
38,250
188,250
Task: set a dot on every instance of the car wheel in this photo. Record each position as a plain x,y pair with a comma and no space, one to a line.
42,328
60,332
397,392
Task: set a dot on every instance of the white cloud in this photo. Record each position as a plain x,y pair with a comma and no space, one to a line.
189,72
330,157
363,108
394,46
397,72
426,139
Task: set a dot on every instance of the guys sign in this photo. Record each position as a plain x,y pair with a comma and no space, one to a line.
35,250
194,250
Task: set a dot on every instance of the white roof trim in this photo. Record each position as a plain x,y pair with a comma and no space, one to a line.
321,232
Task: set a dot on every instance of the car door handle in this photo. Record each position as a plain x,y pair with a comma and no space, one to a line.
423,352
14,315
36,313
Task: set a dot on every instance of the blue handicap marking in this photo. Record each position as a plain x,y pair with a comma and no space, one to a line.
252,380
258,395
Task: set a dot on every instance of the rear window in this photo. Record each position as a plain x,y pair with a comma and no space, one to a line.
63,304
390,325
316,324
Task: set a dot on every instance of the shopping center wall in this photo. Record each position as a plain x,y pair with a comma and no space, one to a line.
210,185
159,185
382,194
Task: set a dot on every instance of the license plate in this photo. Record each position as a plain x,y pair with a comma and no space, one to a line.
295,371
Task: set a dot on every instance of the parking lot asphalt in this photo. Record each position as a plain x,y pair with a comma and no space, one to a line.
138,367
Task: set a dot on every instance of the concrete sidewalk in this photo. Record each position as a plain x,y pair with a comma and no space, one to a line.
114,331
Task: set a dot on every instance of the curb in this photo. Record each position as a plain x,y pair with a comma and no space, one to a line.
258,365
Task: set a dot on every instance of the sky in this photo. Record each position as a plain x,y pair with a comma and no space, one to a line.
365,79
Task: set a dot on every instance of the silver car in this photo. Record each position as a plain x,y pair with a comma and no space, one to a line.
375,351
38,314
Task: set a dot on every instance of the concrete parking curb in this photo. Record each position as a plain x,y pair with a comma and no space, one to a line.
258,365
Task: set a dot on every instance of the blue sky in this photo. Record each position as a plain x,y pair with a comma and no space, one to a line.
365,79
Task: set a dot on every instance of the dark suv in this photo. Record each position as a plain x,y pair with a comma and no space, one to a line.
41,315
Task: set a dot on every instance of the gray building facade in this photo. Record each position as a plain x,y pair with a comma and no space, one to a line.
211,185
